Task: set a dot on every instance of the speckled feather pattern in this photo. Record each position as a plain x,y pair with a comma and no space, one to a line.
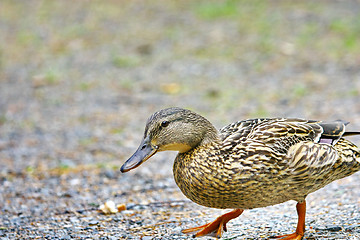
262,162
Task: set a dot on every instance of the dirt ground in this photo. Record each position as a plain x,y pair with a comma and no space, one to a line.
78,79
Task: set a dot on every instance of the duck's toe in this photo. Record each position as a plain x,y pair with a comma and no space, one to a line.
214,228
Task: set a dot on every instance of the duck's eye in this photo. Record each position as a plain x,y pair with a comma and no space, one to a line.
165,124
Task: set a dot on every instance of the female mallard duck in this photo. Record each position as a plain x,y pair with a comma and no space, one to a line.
248,164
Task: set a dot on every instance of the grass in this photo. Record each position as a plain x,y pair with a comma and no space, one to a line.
52,76
345,35
87,141
261,26
299,90
257,28
354,92
3,119
259,111
85,86
48,77
126,83
212,10
125,61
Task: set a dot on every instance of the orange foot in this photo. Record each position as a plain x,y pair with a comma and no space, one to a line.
216,227
293,236
300,229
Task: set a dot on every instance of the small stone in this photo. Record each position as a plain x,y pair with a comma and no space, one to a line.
147,238
90,228
349,228
108,207
121,207
109,174
75,181
74,220
94,222
128,212
334,228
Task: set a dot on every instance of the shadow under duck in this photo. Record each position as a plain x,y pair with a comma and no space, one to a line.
248,164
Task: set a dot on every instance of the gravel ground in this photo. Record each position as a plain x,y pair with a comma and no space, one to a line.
78,81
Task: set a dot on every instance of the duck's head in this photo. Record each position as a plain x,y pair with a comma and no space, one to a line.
173,129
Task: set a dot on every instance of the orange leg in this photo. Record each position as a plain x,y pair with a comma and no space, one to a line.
216,227
300,229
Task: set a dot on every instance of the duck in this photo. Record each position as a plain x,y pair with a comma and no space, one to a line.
248,164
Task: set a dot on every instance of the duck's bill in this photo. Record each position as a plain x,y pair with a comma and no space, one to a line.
143,153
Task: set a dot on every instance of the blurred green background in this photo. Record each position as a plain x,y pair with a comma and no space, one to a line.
78,79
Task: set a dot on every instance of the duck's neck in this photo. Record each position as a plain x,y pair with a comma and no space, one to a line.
211,134
197,131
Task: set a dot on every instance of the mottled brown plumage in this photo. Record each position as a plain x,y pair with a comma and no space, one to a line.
248,164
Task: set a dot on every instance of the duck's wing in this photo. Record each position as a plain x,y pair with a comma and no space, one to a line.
312,153
278,136
310,160
237,130
312,166
274,128
282,134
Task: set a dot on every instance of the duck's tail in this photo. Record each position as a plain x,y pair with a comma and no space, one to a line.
350,134
348,151
352,147
348,161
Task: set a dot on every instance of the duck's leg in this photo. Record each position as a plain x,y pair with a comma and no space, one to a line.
300,229
216,227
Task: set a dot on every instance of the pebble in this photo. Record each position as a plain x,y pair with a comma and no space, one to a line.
329,228
110,174
146,238
334,228
75,181
92,223
353,227
128,212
